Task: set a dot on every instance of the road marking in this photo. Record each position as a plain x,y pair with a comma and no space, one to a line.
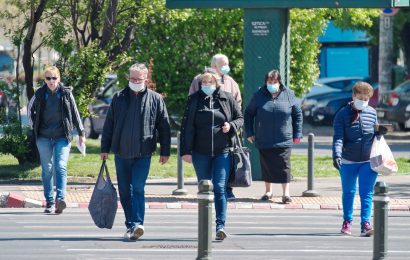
231,250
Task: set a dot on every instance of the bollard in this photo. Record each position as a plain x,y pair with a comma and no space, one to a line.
310,192
381,202
205,205
180,185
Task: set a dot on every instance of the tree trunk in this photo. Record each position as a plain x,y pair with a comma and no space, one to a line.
96,7
109,23
27,43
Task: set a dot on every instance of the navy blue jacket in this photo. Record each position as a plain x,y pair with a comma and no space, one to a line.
273,121
353,141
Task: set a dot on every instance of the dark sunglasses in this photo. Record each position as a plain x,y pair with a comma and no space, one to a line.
51,78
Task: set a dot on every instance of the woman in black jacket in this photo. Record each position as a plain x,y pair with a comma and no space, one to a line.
212,118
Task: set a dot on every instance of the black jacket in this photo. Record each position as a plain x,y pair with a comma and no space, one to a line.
71,117
154,119
229,107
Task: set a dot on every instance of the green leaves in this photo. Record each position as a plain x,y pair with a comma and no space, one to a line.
85,73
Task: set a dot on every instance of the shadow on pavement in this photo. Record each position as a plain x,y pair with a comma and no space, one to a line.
290,234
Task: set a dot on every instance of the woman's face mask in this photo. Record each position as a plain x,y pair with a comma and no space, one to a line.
360,104
208,89
273,88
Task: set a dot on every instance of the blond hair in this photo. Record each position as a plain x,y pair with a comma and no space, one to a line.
363,88
52,69
209,75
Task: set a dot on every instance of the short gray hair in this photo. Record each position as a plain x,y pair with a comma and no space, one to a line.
218,57
139,67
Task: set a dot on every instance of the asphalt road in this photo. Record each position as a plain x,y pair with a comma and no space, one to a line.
172,234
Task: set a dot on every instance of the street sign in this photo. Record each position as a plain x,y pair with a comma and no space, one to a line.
401,3
286,3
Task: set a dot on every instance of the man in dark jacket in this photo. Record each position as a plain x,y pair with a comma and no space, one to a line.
135,116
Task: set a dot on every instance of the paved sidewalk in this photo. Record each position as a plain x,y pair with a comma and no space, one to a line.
159,194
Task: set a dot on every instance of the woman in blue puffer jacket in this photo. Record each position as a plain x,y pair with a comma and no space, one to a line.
352,141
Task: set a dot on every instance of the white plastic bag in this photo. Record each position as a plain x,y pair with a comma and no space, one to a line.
381,157
81,147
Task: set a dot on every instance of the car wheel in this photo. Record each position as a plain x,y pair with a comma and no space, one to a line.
89,129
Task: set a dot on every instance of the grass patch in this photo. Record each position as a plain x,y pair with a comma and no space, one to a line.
81,167
89,166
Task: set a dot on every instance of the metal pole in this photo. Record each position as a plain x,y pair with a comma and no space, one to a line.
180,188
381,202
205,201
310,192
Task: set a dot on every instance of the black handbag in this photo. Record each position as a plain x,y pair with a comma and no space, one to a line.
103,204
240,174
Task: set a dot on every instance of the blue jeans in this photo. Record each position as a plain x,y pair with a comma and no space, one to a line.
349,174
54,154
132,175
215,168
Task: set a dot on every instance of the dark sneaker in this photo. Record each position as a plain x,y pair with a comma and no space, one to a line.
137,232
60,206
220,234
230,195
267,196
346,228
286,199
366,230
49,207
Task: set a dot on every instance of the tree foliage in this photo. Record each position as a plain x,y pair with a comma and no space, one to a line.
94,36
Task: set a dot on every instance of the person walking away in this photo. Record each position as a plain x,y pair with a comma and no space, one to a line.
211,120
136,119
352,141
53,114
273,121
220,65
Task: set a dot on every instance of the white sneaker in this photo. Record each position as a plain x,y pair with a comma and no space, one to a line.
127,234
137,232
220,234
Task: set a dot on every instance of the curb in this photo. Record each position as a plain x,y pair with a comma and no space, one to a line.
13,200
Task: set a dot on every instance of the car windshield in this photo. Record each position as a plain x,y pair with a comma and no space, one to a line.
403,87
110,90
343,84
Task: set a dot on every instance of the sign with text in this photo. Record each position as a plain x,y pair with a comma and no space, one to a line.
286,3
260,28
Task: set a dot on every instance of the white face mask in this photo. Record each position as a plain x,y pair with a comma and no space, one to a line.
360,104
137,87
